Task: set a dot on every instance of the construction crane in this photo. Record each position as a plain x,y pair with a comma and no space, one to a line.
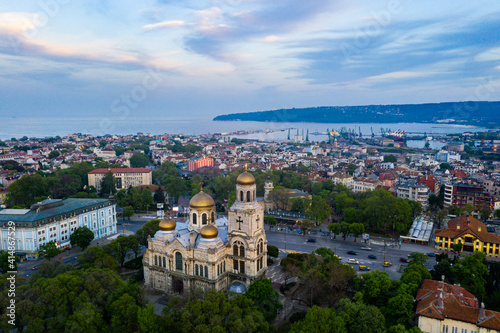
373,134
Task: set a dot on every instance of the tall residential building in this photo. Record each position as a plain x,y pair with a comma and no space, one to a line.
414,192
460,194
55,220
125,177
199,162
227,253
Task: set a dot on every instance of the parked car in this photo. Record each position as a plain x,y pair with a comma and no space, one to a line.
371,256
352,252
387,264
311,240
367,248
402,259
353,261
431,254
364,268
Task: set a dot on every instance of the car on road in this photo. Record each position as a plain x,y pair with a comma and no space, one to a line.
387,264
311,240
403,259
353,261
367,248
364,268
352,252
338,257
371,256
34,268
431,254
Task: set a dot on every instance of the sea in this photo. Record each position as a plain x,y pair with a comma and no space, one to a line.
267,131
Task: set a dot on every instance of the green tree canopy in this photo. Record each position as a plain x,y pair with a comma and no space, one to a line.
139,160
50,250
265,298
82,237
108,185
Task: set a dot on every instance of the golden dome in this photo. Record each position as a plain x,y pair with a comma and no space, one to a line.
209,231
201,200
167,225
246,178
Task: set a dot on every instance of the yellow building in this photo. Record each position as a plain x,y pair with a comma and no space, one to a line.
3,195
471,233
445,308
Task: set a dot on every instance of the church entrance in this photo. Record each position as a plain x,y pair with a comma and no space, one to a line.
178,285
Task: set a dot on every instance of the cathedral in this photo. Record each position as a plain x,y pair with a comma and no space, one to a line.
227,253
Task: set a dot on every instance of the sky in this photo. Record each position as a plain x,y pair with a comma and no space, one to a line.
195,59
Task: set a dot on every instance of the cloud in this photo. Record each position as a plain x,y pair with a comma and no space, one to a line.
165,24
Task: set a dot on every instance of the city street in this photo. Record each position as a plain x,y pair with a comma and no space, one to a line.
299,243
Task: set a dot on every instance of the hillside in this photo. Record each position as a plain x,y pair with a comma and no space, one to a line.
470,113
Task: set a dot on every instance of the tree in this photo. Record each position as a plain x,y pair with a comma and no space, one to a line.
148,320
146,198
307,224
108,184
103,143
53,154
399,309
344,229
82,237
124,314
320,320
319,210
445,166
271,220
457,247
265,298
390,158
49,250
273,251
159,196
471,273
128,212
297,205
280,197
335,229
485,212
497,213
121,246
26,190
139,160
148,229
359,317
356,229
376,287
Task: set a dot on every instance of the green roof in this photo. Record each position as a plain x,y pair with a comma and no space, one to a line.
51,209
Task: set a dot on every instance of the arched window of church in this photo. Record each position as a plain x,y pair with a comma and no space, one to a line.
235,250
204,218
241,196
254,195
178,261
194,219
261,246
218,270
164,262
242,251
248,196
213,217
156,260
206,271
196,269
224,266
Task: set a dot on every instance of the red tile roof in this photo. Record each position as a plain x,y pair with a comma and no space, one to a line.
440,300
121,170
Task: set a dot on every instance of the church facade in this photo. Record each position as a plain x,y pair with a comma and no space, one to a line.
208,253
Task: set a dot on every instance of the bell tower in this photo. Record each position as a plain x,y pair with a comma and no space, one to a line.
246,233
268,187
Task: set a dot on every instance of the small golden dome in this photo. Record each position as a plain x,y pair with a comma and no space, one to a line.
209,231
201,200
246,178
167,225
